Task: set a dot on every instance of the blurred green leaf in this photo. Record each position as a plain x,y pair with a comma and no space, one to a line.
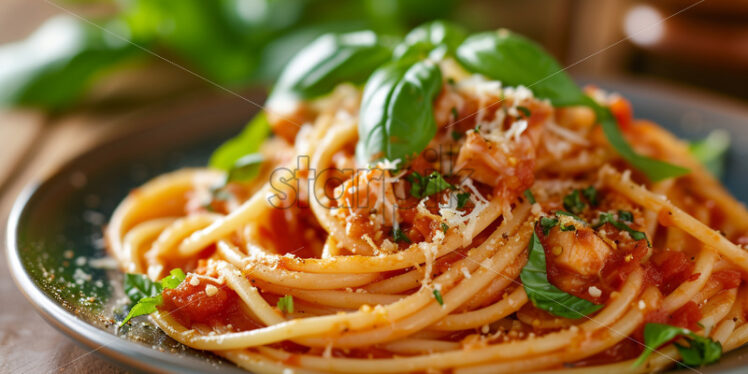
54,66
197,32
712,151
328,61
230,42
228,155
436,39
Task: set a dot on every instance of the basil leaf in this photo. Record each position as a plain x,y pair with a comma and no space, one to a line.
246,168
712,151
655,170
396,120
328,61
227,156
543,294
700,351
515,60
145,306
434,39
175,277
54,66
139,286
146,294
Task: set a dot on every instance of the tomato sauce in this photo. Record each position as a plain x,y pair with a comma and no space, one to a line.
687,316
191,304
669,269
728,278
284,231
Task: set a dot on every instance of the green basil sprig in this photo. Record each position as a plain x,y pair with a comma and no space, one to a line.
699,352
543,294
516,60
435,40
655,170
238,156
328,61
621,225
396,119
146,294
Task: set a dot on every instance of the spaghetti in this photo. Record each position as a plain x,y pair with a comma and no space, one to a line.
517,240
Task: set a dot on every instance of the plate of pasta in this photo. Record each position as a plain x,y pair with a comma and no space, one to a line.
449,202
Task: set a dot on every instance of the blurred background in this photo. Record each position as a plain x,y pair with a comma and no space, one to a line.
86,63
76,72
67,55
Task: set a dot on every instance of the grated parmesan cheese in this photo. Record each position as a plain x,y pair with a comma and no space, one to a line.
466,273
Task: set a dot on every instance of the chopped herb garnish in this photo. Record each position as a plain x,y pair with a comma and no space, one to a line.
399,236
569,228
285,304
625,216
438,297
590,193
573,202
547,223
524,111
421,186
146,294
456,135
530,197
477,128
572,215
611,218
454,114
445,227
700,350
462,199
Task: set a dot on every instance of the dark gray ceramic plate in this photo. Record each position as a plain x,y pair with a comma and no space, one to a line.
54,231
